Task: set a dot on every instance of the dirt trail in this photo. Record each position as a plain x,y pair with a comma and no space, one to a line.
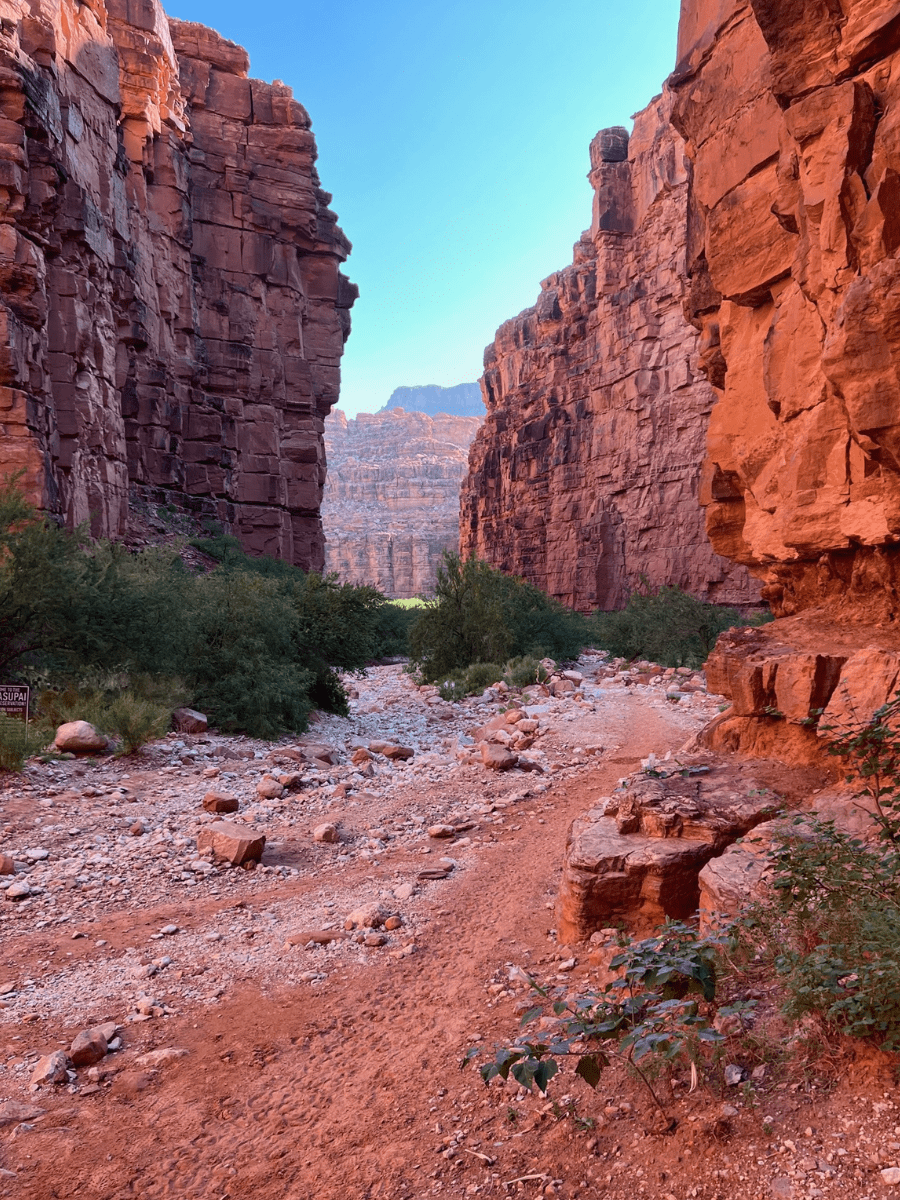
332,1090
334,1073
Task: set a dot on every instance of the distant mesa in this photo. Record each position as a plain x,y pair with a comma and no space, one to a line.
391,504
462,400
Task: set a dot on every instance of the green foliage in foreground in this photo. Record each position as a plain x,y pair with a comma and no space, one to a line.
120,639
666,626
832,926
832,930
480,615
657,1014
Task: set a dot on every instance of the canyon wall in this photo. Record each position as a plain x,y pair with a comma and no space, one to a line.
585,475
391,505
172,314
791,118
792,123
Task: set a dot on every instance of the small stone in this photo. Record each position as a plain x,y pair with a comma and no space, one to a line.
496,757
7,865
12,1112
368,916
759,1073
159,1058
434,873
188,720
269,788
218,802
236,843
137,829
393,923
374,939
52,1068
441,831
18,891
890,1176
326,833
79,737
168,930
389,750
321,937
88,1048
404,891
734,1075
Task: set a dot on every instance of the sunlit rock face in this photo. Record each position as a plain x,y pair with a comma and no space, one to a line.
791,118
585,476
172,313
391,505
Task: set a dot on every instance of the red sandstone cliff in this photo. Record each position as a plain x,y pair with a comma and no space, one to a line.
792,122
585,474
172,315
791,115
391,504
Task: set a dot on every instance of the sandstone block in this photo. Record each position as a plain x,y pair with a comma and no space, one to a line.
269,788
52,1068
88,1047
368,916
7,865
188,720
218,802
327,832
497,758
236,843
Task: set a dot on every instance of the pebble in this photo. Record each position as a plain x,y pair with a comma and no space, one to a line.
327,832
891,1176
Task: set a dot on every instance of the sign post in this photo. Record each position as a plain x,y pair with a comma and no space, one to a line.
14,701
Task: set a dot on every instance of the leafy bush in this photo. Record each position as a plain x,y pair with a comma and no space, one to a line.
665,625
18,742
469,682
830,930
523,671
393,622
657,1013
831,926
480,615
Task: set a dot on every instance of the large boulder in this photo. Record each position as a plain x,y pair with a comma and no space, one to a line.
79,737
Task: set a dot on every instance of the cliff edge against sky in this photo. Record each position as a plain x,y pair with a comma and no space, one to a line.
172,313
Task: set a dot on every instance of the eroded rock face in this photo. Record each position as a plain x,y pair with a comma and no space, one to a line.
585,475
172,313
791,118
391,505
638,857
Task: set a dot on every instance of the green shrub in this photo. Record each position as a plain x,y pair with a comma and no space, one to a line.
831,928
19,742
471,681
393,622
480,615
664,625
130,709
524,671
655,1016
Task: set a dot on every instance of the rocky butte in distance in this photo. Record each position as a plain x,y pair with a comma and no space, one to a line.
391,504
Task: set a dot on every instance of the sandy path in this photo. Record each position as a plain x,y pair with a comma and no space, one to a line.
337,1089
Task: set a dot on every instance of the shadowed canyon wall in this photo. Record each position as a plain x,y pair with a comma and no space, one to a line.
585,475
391,505
172,314
791,118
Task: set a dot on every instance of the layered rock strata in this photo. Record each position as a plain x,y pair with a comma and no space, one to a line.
638,856
391,505
585,476
172,313
792,124
791,118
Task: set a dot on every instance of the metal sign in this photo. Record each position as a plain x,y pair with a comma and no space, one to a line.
14,700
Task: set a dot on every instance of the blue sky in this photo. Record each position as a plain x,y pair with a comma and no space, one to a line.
454,138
